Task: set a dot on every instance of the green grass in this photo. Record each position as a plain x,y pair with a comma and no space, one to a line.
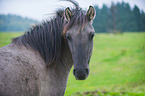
5,38
117,66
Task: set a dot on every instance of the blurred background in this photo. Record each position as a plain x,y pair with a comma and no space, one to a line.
117,66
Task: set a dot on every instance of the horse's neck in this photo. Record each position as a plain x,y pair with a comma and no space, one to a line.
58,74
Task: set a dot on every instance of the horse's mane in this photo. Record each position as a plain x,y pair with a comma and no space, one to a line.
46,38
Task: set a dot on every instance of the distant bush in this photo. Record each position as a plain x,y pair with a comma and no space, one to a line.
115,32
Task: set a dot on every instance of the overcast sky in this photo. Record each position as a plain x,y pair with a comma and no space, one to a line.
42,9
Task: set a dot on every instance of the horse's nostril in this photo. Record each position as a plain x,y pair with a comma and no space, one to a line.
74,71
87,71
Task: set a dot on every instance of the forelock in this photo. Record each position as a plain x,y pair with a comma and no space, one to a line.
79,18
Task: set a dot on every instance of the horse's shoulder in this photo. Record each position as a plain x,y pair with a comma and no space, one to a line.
16,67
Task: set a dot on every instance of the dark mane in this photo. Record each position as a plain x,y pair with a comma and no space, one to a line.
46,38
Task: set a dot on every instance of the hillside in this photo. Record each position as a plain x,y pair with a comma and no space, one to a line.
15,23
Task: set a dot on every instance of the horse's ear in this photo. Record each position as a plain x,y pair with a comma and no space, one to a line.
91,13
68,14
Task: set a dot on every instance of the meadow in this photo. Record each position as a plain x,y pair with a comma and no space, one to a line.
117,66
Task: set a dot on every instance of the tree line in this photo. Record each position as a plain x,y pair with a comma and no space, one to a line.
119,17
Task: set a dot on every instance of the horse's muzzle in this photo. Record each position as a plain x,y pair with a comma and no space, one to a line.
81,74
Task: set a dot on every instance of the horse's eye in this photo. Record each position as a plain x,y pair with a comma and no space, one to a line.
68,37
91,36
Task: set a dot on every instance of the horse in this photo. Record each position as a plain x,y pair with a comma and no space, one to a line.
38,62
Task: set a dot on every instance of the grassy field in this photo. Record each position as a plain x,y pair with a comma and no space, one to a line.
117,66
5,38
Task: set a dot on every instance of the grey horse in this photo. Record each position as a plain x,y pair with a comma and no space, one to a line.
38,63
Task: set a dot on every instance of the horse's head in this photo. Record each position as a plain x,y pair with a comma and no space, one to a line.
79,34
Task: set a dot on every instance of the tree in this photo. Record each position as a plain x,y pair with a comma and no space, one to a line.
137,17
